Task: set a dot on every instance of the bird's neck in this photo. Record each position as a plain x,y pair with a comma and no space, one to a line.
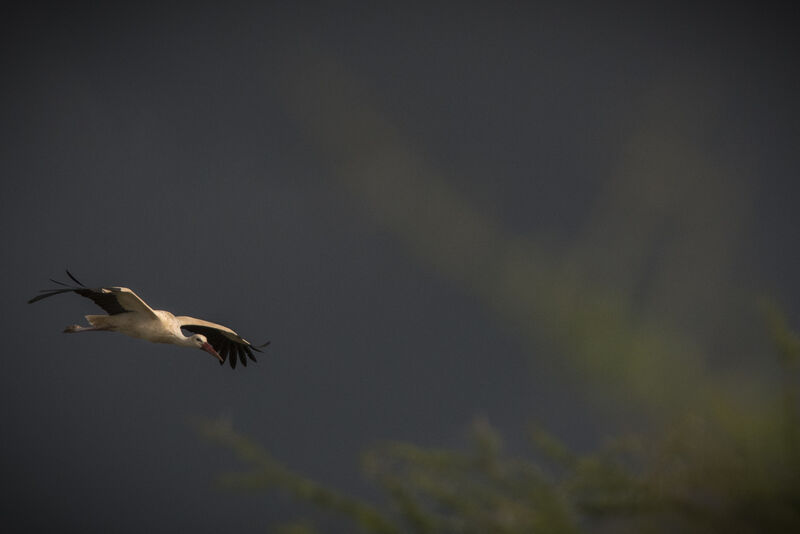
184,341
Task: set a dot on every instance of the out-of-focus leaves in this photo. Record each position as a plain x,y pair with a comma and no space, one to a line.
786,342
550,447
614,317
696,478
300,527
629,308
702,473
267,473
480,490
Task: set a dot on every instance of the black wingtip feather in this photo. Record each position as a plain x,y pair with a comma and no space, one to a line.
258,348
74,279
48,293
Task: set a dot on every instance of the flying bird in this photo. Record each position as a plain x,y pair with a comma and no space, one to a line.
130,315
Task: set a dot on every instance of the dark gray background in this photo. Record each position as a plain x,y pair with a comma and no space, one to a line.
160,148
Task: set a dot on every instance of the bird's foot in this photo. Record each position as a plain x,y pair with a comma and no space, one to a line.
71,329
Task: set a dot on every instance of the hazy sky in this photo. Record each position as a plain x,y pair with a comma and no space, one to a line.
179,152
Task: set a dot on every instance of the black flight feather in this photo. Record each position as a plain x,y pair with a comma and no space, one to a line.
232,358
74,279
107,301
230,350
258,348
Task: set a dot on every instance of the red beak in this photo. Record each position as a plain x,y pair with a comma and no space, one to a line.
209,349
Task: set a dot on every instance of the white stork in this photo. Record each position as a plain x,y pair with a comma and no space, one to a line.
130,315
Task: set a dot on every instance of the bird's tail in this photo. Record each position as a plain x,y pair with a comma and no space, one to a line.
98,321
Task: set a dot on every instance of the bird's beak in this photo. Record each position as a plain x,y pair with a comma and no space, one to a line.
209,349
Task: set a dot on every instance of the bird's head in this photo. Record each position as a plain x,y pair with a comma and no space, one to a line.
202,343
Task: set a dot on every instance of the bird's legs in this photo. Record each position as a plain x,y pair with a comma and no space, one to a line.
71,329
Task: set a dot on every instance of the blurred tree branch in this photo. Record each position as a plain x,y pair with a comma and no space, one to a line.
720,472
696,476
267,473
583,303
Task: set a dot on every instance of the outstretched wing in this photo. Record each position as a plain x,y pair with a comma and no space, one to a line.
113,300
225,341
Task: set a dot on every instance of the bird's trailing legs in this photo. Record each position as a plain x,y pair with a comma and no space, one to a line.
73,328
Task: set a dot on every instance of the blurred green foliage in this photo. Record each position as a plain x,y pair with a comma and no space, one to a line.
642,307
627,302
701,474
734,473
